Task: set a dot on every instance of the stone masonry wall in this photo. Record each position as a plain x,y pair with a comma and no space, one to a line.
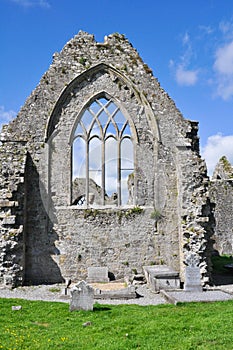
62,241
197,214
12,245
123,241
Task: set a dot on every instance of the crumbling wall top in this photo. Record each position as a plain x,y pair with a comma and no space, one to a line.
78,57
223,170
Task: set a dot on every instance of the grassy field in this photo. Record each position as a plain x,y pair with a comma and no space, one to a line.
47,325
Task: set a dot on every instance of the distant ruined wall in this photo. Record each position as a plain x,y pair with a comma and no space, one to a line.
61,240
221,193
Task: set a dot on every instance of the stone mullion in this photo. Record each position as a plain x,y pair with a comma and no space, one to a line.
119,172
135,190
103,171
87,172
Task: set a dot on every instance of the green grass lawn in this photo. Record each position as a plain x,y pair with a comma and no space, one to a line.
50,325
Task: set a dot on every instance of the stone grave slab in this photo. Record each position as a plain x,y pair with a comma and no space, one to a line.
124,293
97,274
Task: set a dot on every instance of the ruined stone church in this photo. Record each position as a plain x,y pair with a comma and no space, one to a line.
100,168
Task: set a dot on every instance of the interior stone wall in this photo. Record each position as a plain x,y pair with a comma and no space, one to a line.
122,240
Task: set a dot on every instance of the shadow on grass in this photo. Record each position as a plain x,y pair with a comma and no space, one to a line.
99,307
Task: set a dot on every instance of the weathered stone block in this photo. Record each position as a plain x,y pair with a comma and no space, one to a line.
9,220
8,280
6,203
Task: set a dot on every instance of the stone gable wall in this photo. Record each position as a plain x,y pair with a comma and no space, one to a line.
59,241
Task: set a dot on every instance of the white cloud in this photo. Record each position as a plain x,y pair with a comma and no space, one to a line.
216,147
6,116
185,76
32,3
171,63
185,39
226,28
225,87
224,59
207,30
223,67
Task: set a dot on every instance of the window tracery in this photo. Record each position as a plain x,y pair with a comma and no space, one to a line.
103,157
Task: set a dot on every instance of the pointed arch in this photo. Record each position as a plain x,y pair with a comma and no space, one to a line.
106,174
88,75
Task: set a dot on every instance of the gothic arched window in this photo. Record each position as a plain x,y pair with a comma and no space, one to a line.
103,157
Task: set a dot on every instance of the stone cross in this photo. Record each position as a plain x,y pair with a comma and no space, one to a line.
82,297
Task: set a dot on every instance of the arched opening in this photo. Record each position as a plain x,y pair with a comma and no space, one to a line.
102,156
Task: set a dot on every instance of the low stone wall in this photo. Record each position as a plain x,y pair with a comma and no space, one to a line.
122,240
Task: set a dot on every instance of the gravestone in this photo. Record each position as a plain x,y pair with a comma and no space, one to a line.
82,297
161,277
192,274
97,274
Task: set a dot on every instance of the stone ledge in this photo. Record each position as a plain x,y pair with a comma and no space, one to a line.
125,293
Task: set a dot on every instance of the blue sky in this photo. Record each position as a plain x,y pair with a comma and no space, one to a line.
188,45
